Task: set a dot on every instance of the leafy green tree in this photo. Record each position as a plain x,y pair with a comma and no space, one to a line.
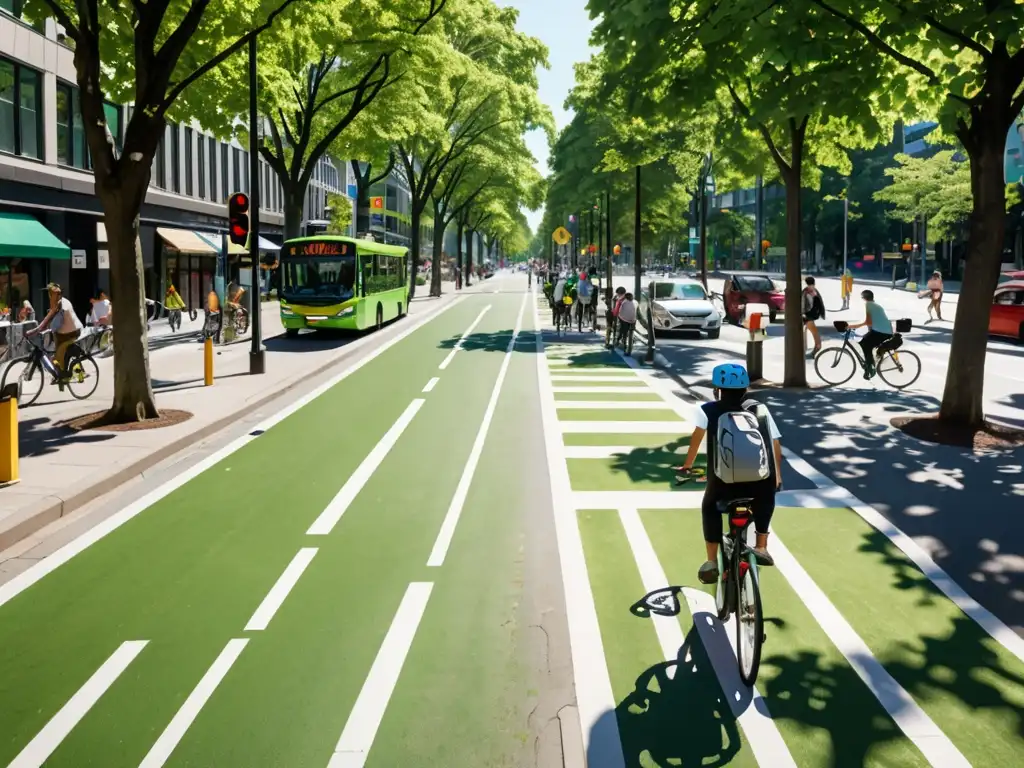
340,215
729,226
150,54
968,58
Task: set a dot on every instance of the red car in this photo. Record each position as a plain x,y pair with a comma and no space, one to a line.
740,290
1007,317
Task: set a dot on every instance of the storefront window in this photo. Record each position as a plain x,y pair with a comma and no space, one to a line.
20,105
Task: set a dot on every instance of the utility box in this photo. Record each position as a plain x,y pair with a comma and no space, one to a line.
756,320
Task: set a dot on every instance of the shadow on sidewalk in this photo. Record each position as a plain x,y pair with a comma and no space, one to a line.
957,501
166,385
41,436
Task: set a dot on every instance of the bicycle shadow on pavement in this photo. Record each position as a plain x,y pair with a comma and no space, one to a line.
493,341
954,501
42,436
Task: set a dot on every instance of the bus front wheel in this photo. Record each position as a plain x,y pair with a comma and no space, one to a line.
380,317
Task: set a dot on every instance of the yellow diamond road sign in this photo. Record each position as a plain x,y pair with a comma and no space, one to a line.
561,236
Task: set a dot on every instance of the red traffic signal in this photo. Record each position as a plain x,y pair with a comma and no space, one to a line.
238,218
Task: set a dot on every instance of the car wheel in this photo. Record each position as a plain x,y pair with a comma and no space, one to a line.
715,333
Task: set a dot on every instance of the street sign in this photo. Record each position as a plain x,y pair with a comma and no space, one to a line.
377,203
78,259
561,236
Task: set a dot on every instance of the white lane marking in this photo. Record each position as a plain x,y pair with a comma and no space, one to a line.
901,706
676,428
37,751
594,696
451,518
462,339
611,451
368,711
431,384
987,620
184,717
748,706
30,576
615,405
631,390
279,592
329,518
637,499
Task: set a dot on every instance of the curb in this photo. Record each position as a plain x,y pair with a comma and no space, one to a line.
49,509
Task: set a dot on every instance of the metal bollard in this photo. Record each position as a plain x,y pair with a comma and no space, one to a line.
755,347
9,434
208,361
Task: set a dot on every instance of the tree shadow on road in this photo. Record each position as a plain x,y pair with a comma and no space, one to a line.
42,436
654,465
494,341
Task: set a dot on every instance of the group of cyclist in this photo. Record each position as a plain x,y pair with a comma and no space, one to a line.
580,290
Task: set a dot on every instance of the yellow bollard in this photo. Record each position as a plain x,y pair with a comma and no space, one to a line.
9,436
208,362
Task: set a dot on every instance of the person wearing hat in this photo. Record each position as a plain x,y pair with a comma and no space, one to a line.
64,323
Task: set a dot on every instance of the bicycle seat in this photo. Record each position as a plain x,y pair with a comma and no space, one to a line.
735,505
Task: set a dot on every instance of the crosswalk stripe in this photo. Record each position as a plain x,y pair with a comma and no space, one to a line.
605,451
748,706
615,405
60,725
632,390
626,427
574,376
637,499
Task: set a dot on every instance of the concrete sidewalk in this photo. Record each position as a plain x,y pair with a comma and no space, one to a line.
62,470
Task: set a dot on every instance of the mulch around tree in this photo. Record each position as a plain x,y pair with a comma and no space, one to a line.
98,421
992,437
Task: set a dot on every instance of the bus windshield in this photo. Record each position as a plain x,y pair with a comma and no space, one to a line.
318,280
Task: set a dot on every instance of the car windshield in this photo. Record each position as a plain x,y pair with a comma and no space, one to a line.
319,281
755,283
678,291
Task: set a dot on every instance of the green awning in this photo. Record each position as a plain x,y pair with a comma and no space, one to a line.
23,237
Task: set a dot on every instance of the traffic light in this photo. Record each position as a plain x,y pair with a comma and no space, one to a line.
238,218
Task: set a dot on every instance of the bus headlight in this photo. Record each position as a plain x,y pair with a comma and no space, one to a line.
345,312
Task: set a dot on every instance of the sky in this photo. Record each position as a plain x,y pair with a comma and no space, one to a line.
564,26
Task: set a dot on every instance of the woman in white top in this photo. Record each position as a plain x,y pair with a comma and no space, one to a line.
64,323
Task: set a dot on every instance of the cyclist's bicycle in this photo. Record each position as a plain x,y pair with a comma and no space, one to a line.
241,319
99,340
738,589
30,371
625,336
897,368
563,315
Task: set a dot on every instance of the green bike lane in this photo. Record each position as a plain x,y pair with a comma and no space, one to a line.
190,575
866,662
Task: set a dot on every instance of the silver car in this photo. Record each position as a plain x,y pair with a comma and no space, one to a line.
681,304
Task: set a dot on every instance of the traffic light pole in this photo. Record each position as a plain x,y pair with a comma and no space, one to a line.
257,362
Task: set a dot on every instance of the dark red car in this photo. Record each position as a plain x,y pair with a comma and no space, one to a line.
1007,316
743,289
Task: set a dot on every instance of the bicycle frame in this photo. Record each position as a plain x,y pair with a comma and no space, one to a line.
855,349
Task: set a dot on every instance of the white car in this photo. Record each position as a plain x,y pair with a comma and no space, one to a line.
681,304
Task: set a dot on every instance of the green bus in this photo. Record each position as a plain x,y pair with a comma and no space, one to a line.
340,282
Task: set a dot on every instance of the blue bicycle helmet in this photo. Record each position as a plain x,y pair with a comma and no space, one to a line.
730,376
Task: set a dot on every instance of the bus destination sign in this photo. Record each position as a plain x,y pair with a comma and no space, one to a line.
319,248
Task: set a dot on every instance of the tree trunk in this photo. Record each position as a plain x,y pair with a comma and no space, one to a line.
362,198
458,250
293,205
438,250
963,396
469,256
796,368
133,390
414,247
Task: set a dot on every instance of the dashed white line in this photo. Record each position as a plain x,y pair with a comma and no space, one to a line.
329,518
196,700
277,594
54,732
747,705
461,341
368,712
431,384
451,518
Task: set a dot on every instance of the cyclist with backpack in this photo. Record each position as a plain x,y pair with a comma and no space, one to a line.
744,459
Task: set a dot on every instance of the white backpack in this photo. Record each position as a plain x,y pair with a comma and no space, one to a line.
741,453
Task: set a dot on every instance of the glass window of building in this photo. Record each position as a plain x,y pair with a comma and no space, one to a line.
215,185
235,164
160,163
188,162
113,114
72,147
201,164
20,110
175,158
245,173
225,180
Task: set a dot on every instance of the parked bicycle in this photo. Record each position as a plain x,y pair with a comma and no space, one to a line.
899,368
81,378
98,340
738,590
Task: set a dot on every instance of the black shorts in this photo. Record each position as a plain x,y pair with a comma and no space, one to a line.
763,506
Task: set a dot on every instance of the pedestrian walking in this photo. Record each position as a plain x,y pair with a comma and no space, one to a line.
934,294
847,288
814,309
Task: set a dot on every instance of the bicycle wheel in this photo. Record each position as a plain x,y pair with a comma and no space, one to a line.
899,369
749,623
105,341
835,365
26,371
83,377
